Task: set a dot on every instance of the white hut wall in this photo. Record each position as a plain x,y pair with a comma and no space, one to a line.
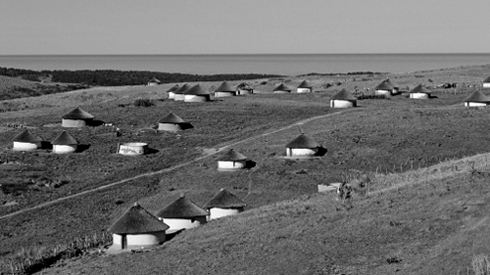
196,98
475,104
231,164
216,213
74,123
176,224
300,152
171,127
303,90
64,149
342,104
25,146
224,94
419,95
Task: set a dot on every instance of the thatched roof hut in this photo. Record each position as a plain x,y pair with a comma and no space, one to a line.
224,204
25,141
343,99
197,94
182,214
304,87
225,90
76,118
64,143
281,89
419,92
232,161
302,146
173,123
476,99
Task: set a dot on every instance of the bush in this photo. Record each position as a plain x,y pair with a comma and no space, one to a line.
143,102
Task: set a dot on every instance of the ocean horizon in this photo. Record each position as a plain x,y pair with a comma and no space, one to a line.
283,64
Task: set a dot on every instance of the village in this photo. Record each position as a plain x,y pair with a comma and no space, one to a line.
137,228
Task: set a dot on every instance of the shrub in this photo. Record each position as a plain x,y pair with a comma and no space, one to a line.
143,102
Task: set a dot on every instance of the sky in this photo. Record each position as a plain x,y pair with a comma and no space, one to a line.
243,26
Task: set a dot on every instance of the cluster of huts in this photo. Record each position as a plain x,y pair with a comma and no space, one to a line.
138,228
197,93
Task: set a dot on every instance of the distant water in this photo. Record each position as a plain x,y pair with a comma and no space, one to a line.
286,64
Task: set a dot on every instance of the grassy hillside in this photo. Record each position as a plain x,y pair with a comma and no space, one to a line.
434,222
379,137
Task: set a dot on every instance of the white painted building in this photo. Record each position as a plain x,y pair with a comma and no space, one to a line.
76,118
486,83
171,91
232,161
173,123
197,94
133,148
282,89
64,143
476,99
224,204
153,82
179,94
304,87
343,99
225,90
182,214
137,228
25,141
419,92
302,146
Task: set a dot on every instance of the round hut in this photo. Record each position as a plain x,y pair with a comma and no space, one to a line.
179,94
302,146
64,143
225,90
282,89
224,204
25,141
137,228
171,91
182,214
486,82
384,88
304,87
76,118
153,82
395,86
476,99
244,89
197,94
132,148
419,92
172,123
232,161
343,99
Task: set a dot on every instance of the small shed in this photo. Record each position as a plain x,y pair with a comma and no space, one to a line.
197,94
173,123
25,141
302,146
171,91
224,204
281,89
343,99
476,99
419,92
153,82
486,82
76,118
137,228
225,90
232,161
132,148
244,89
179,94
304,87
182,214
64,143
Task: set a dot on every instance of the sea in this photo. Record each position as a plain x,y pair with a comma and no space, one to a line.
283,64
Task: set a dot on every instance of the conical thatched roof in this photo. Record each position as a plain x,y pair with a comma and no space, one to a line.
244,86
172,118
419,89
137,220
304,84
64,139
486,80
77,113
232,155
384,85
282,87
154,80
196,90
182,208
173,88
303,142
224,199
26,136
477,96
343,95
182,89
391,83
225,87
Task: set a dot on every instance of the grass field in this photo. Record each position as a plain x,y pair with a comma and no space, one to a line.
285,218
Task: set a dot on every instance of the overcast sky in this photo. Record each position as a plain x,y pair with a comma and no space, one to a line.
243,26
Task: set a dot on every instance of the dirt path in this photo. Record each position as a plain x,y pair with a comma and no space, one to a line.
208,154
